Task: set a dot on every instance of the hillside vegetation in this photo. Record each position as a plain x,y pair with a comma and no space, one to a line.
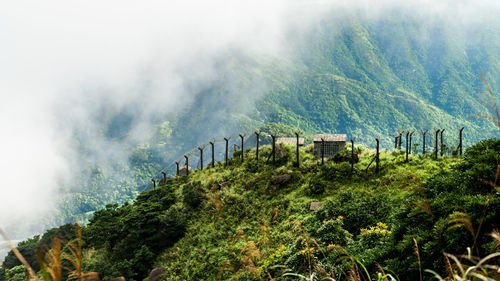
252,220
346,74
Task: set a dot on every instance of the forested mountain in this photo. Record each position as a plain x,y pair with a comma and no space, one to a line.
367,77
370,78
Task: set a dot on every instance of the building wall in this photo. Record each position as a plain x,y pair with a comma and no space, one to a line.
330,148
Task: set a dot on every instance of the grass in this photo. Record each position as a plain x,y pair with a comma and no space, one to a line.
246,202
51,260
251,213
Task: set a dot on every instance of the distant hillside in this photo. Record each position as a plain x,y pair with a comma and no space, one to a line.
371,78
364,78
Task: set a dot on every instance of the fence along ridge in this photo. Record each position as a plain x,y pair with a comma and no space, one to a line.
398,140
191,152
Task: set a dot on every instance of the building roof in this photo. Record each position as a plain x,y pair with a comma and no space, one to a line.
290,140
330,137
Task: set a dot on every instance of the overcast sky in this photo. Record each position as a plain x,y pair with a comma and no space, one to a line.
59,60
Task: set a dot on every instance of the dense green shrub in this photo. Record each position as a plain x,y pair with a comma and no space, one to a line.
335,172
16,273
193,194
133,235
268,266
358,210
337,157
315,186
439,215
173,224
332,232
237,154
28,247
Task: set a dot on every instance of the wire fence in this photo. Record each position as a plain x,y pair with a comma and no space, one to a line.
432,142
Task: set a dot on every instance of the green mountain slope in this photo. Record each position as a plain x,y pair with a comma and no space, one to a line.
368,78
252,220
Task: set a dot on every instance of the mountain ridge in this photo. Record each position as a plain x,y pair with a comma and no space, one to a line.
367,77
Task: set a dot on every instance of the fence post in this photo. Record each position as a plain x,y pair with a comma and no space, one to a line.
411,137
164,177
297,151
400,139
377,161
423,141
201,157
177,164
352,156
322,151
257,134
213,160
442,152
154,183
460,144
436,147
395,142
407,134
227,148
274,149
242,147
187,165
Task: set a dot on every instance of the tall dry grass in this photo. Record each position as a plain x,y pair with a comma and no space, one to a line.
471,268
240,260
31,275
490,102
50,260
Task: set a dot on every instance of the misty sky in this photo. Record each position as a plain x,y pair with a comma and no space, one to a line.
59,60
